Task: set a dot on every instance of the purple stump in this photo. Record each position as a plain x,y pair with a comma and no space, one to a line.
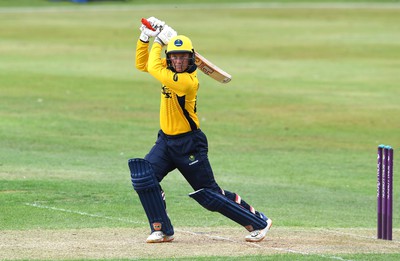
384,191
379,191
389,197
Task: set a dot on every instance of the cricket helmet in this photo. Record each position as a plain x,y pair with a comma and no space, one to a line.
180,44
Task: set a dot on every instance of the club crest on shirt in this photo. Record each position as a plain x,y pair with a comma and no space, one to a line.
166,92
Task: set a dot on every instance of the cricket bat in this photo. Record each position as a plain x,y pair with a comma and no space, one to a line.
203,64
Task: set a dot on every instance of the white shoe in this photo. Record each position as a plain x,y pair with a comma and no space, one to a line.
258,235
159,237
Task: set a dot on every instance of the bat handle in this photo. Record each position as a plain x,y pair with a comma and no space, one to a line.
147,24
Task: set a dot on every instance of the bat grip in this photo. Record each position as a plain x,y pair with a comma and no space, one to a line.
147,24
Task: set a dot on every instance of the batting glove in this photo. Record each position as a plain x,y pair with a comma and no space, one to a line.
165,35
156,23
147,33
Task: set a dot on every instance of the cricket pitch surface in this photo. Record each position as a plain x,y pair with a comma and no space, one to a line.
115,243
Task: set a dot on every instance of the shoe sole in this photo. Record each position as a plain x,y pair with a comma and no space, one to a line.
260,239
163,240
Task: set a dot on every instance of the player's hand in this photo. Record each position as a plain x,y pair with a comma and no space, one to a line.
143,35
150,32
165,35
156,23
147,33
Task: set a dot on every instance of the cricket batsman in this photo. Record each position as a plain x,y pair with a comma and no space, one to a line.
180,143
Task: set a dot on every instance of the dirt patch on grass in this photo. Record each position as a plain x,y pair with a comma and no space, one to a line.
189,242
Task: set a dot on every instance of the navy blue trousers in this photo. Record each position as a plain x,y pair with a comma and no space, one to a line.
186,152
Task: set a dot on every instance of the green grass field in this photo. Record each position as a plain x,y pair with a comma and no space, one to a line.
315,90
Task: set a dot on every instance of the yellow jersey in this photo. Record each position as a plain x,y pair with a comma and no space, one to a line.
178,90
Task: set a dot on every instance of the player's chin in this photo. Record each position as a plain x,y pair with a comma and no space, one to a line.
180,69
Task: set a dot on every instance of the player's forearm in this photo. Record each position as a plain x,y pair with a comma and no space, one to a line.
155,65
142,55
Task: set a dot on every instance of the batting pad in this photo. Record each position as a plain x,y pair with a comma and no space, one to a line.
147,187
214,201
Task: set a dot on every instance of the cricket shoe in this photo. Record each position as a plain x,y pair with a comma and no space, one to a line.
159,237
258,235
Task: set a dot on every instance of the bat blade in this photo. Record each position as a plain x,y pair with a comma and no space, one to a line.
211,69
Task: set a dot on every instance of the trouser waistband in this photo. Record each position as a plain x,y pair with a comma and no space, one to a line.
180,135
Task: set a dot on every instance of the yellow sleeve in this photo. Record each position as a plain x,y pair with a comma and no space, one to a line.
180,83
142,55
